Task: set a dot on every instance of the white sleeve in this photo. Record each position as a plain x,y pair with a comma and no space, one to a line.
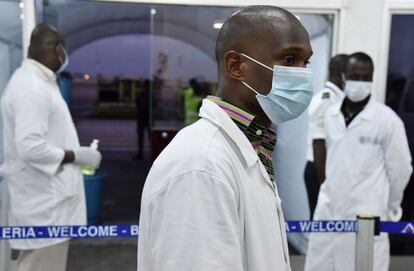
317,110
31,115
397,162
195,226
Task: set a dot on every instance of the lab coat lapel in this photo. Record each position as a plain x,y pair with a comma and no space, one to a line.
365,115
215,114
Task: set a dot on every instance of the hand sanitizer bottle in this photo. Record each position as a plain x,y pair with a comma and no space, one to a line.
87,169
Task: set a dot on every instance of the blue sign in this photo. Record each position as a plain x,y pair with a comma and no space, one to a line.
112,231
320,226
98,231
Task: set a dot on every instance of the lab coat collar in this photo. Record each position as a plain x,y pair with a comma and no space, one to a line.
366,114
212,112
46,73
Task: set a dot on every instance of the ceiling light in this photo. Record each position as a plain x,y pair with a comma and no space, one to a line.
217,25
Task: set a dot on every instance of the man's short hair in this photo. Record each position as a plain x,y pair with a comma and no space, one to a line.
363,58
246,26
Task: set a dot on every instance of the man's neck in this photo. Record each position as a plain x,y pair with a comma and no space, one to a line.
354,107
260,117
38,60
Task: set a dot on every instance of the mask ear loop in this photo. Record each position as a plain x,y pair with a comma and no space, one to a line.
64,53
343,77
249,87
257,62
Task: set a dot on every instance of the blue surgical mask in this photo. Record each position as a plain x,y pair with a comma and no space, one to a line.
290,95
65,62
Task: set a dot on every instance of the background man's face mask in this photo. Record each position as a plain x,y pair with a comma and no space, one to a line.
65,62
290,95
357,91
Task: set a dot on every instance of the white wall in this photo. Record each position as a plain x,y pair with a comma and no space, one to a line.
361,29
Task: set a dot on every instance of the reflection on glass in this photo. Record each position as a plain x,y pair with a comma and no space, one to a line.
137,75
10,58
400,97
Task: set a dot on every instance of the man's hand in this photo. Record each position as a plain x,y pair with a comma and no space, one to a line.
87,156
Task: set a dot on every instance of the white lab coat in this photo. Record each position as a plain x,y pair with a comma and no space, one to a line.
368,167
320,103
37,129
209,204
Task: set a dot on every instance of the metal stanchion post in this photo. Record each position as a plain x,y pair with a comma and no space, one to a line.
364,257
5,252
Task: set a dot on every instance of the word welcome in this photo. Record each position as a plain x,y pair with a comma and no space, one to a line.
125,231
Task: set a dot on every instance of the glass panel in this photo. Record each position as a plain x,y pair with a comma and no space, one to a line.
10,58
137,75
109,48
400,97
184,71
183,66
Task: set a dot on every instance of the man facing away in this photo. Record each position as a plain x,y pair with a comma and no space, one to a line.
210,201
43,159
367,168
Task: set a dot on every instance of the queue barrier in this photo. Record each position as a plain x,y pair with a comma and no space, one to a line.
128,230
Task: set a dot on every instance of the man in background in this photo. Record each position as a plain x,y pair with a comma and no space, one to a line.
42,156
142,104
367,169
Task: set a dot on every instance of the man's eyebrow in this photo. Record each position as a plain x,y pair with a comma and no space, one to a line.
295,48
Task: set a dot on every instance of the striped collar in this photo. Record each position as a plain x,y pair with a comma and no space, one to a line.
263,140
237,114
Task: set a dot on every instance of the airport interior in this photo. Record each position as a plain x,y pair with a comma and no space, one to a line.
138,74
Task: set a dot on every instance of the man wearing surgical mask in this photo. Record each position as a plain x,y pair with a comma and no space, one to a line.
367,169
210,201
42,156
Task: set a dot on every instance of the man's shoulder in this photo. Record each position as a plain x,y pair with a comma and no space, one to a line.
22,81
200,147
194,145
331,112
323,100
386,113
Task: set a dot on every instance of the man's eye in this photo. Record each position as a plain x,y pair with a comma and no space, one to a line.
289,60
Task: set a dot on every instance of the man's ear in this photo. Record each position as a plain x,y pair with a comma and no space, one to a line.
234,65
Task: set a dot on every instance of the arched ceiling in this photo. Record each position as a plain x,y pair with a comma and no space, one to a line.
189,24
82,22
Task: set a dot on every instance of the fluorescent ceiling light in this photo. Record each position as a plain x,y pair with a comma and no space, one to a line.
217,25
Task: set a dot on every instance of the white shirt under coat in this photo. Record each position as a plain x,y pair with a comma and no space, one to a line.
321,101
37,128
209,204
368,167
